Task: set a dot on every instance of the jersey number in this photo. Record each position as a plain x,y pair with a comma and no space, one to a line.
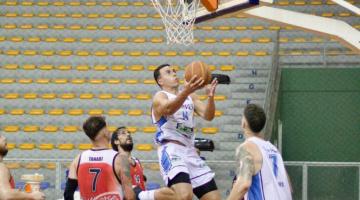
273,158
95,171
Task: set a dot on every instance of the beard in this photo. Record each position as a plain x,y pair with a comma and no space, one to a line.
128,147
3,152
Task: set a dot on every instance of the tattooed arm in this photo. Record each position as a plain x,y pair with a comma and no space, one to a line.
245,172
123,169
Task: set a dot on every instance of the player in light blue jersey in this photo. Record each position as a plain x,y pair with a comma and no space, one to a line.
173,112
261,173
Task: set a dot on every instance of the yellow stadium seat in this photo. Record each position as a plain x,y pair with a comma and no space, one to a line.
300,40
139,40
141,28
157,40
124,96
11,128
149,81
17,112
240,28
151,67
242,53
66,146
315,2
56,111
125,16
7,81
50,166
245,40
263,40
46,146
42,26
48,96
113,81
46,67
82,67
104,40
218,113
153,53
144,147
327,14
32,165
299,3
31,128
70,128
43,81
228,40
209,130
157,28
67,96
314,52
257,28
330,3
111,129
135,53
156,16
135,112
138,3
64,53
95,112
2,38
105,96
11,66
219,97
109,15
82,53
33,39
10,3
115,112
149,129
13,165
43,3
27,146
60,81
12,52
36,112
30,96
227,68
100,67
131,81
11,96
260,53
86,40
283,3
143,96
64,67
76,15
9,26
75,112
224,53
206,53
50,128
170,53
273,28
86,96
136,68
132,129
124,28
44,15
11,146
344,14
118,53
16,39
122,3
91,27
96,81
85,146
77,81
188,53
2,111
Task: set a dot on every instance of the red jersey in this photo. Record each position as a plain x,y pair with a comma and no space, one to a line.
96,175
137,173
12,182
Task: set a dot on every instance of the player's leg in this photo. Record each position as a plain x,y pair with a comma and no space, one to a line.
165,193
208,191
174,171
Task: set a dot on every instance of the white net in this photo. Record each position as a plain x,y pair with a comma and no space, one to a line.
178,17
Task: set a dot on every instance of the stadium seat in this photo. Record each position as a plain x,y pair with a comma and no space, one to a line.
32,165
11,146
209,130
132,129
95,112
227,68
27,146
70,128
85,146
31,128
50,128
13,165
149,129
105,96
56,112
143,96
66,146
144,147
135,112
115,112
36,112
75,112
124,96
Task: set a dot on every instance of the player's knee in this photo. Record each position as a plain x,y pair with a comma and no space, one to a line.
185,195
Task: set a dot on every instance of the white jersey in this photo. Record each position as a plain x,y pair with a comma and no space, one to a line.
178,126
271,181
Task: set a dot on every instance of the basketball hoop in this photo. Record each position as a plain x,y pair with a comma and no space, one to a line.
178,17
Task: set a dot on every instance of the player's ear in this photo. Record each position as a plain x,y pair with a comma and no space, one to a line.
117,142
243,123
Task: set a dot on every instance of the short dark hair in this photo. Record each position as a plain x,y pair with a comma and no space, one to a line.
157,72
114,137
93,125
255,116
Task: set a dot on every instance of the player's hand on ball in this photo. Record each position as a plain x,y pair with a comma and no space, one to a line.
210,89
38,195
194,84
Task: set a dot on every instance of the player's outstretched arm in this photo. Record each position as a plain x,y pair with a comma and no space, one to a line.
163,106
7,193
122,165
71,182
206,111
245,173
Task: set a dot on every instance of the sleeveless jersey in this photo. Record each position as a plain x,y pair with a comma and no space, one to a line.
137,174
271,181
12,182
178,126
96,175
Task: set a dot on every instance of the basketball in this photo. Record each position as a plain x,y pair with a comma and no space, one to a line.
200,69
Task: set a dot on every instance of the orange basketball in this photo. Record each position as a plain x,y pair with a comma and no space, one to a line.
200,69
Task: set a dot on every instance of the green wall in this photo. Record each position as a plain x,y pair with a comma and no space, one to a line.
320,113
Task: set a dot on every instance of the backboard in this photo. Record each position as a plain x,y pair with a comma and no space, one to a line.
226,7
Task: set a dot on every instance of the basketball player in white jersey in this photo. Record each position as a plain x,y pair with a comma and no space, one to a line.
172,111
100,173
261,172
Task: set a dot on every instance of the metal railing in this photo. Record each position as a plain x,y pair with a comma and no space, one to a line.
303,164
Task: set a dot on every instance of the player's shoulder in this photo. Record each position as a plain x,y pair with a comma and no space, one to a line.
246,146
160,94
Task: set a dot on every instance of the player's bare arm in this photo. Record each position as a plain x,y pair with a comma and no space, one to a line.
71,182
163,106
206,111
7,193
245,172
123,169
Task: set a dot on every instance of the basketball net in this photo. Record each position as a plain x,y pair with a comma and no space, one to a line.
178,17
